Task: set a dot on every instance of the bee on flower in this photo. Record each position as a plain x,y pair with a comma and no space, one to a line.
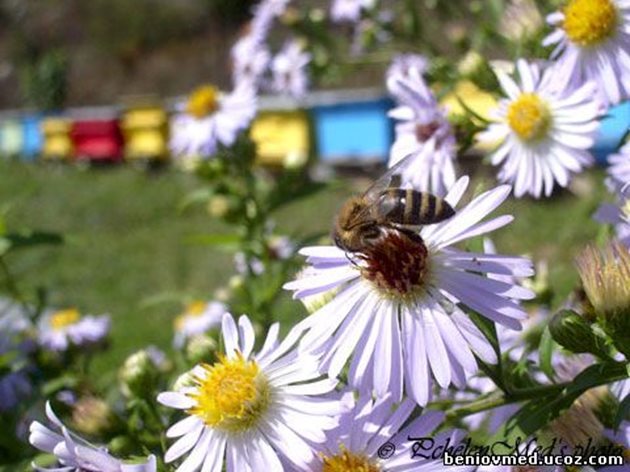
398,308
58,330
542,132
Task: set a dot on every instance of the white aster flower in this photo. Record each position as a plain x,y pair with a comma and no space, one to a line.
543,132
252,412
593,44
198,317
57,330
399,307
212,119
74,453
423,132
369,438
289,70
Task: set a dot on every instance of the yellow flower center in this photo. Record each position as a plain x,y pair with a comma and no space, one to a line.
62,318
590,22
529,117
203,101
347,461
193,310
233,396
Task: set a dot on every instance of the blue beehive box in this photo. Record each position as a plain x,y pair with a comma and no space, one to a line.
33,138
352,130
612,129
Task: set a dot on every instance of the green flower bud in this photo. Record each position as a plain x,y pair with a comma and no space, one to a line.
139,375
200,348
92,416
572,332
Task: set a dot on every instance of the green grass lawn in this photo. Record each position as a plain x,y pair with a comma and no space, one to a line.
127,241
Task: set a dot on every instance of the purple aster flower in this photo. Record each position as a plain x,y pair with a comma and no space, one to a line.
619,166
264,15
422,132
58,329
289,70
211,119
398,309
250,60
617,214
593,44
543,132
349,10
402,64
359,442
251,411
74,453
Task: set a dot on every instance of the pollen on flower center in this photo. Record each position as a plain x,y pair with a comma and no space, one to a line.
529,117
346,461
203,101
590,22
233,395
62,318
397,265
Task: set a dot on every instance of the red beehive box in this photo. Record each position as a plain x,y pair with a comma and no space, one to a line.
97,140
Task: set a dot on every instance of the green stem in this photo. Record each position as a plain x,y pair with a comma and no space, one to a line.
499,399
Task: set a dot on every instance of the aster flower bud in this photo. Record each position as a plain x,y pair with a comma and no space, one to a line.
138,375
92,416
572,332
200,348
605,276
219,206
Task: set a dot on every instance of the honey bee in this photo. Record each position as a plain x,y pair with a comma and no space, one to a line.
364,219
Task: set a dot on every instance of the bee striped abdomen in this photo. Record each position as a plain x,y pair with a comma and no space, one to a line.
409,207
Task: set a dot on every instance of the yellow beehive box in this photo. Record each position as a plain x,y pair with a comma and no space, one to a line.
282,137
145,130
57,141
478,101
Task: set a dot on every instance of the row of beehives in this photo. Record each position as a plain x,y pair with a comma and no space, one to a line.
337,127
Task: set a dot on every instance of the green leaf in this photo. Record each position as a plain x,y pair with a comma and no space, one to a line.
488,329
546,348
33,238
197,196
53,386
622,412
5,245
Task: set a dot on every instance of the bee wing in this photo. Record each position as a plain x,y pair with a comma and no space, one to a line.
391,178
372,196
